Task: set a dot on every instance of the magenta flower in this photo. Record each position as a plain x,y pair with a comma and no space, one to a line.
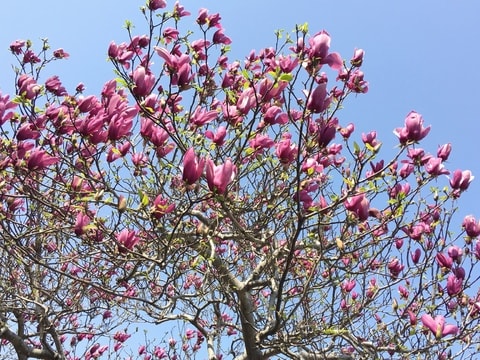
319,51
201,116
156,4
357,58
192,167
121,336
445,261
5,105
16,46
455,253
435,167
120,126
356,82
27,131
348,285
81,222
359,205
60,54
220,38
416,255
54,85
454,285
161,207
219,176
326,132
413,130
461,179
317,100
286,150
471,226
39,160
443,151
347,130
438,327
219,137
395,267
126,239
27,87
144,81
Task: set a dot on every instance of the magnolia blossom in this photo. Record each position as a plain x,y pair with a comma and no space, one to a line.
413,130
319,50
461,179
471,226
317,100
192,167
144,81
126,239
359,205
438,327
219,176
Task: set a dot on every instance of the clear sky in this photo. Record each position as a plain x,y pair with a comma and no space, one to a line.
420,55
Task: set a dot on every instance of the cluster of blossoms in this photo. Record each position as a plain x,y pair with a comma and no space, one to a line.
212,192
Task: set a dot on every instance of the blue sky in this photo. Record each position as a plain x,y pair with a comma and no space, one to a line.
419,55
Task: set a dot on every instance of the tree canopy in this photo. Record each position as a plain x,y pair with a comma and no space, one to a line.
226,203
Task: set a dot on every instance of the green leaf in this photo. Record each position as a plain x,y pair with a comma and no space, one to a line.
303,28
285,77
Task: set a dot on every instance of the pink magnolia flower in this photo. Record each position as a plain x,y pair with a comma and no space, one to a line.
54,85
319,51
286,150
220,38
81,223
461,179
455,253
454,285
161,207
121,336
357,58
435,167
359,205
127,239
395,267
261,142
326,132
438,327
317,100
5,105
219,137
347,130
29,57
144,81
27,131
416,255
156,4
275,115
28,87
39,160
201,116
443,151
219,176
119,126
356,82
471,226
16,46
60,54
348,285
192,167
413,130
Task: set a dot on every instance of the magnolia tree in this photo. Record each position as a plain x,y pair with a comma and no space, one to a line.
226,209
